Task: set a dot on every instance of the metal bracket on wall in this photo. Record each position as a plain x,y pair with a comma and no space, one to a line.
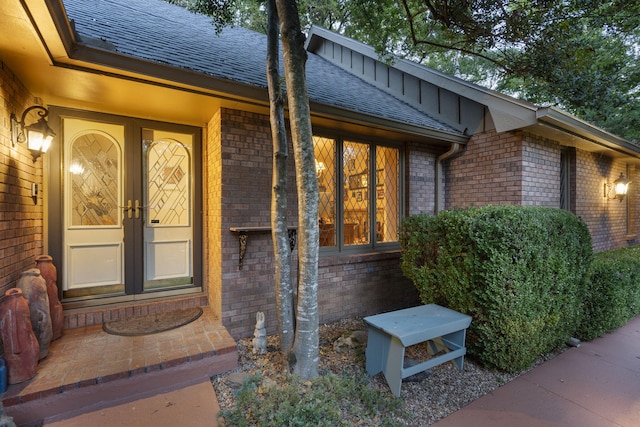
243,237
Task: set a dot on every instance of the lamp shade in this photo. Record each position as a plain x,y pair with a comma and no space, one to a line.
621,186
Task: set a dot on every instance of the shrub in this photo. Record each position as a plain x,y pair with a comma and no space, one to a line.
518,271
612,294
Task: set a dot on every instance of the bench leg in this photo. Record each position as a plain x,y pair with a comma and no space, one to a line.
377,350
394,366
454,341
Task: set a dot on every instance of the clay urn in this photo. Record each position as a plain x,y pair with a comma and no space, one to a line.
48,271
21,349
34,289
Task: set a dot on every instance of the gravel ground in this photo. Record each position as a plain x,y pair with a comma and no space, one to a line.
426,398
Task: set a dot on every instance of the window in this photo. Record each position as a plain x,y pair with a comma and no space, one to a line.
567,179
360,203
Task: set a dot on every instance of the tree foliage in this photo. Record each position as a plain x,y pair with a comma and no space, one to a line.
579,55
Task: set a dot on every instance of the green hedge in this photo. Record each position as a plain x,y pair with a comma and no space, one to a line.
612,292
518,271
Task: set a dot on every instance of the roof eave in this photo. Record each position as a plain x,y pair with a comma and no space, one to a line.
568,123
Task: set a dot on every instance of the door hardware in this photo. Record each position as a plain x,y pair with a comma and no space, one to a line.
128,208
138,208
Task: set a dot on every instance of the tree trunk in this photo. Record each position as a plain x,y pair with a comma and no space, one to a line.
279,230
305,347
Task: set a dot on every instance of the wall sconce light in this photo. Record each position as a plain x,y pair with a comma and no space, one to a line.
38,135
618,189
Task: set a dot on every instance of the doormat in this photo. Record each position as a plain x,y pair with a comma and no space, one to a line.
153,323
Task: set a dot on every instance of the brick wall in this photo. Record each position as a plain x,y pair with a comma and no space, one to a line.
349,285
421,176
540,171
488,171
606,219
21,218
212,245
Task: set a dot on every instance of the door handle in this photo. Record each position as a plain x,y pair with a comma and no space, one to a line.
138,208
128,208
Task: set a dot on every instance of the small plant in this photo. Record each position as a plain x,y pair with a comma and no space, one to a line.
329,400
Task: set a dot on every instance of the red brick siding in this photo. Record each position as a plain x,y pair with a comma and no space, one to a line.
606,219
349,285
421,177
21,219
488,171
212,202
540,171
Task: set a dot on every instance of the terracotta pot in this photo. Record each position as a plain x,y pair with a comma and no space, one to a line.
34,289
21,347
48,271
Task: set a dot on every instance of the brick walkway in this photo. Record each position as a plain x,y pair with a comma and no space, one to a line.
87,357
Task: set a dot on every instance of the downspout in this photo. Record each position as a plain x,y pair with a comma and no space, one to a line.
439,201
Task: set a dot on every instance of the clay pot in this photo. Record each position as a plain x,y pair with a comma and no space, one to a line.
34,289
21,347
48,271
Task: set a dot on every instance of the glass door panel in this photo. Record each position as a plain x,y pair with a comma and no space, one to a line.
93,196
168,213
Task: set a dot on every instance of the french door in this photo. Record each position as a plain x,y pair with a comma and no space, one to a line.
129,208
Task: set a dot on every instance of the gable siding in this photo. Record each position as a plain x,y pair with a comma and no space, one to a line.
457,111
429,96
411,88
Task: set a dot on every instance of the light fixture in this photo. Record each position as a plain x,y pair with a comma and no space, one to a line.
618,189
38,135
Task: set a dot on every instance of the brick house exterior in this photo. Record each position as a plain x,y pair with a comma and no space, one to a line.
459,145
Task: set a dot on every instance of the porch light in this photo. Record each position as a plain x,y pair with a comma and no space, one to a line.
618,189
38,135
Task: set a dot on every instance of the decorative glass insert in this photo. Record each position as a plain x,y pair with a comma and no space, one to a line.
168,182
387,194
357,181
356,193
94,172
325,153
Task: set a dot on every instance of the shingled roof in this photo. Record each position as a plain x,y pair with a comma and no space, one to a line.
162,33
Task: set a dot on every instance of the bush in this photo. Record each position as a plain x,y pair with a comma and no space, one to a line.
518,271
612,294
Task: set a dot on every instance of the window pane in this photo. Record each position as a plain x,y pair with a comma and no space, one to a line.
387,194
325,153
356,196
95,186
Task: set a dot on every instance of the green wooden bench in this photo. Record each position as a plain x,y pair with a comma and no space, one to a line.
390,333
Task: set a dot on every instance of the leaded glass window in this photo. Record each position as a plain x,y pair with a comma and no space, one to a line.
360,198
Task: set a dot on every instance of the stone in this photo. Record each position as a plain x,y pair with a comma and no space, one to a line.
350,342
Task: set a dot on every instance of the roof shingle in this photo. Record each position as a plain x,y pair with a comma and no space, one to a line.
159,32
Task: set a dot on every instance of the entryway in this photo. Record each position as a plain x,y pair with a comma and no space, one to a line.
128,209
89,368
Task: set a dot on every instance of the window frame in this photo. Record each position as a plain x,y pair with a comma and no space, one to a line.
373,246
